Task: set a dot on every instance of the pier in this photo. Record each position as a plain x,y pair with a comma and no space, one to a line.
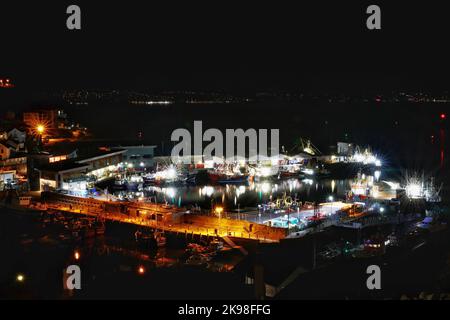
160,217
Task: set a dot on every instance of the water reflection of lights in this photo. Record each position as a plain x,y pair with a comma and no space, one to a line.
206,191
333,185
240,190
170,192
308,181
377,175
265,187
293,184
370,181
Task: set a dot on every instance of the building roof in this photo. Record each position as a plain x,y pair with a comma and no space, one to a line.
133,146
100,154
79,163
60,149
63,166
17,130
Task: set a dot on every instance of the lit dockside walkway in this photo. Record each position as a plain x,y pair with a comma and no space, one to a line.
161,217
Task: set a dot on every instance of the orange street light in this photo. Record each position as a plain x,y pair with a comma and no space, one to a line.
40,128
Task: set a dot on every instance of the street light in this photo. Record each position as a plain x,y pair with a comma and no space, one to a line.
218,210
40,129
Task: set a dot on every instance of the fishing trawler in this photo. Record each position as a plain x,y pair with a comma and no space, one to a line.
223,178
166,175
421,189
227,174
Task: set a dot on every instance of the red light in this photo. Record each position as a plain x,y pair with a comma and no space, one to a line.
443,116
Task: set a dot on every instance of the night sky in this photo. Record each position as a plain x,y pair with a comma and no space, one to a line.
320,46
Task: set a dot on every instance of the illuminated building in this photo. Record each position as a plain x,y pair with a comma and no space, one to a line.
73,175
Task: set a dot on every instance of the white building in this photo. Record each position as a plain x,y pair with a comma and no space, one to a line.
138,156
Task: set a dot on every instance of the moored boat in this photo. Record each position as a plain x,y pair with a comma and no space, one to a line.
222,178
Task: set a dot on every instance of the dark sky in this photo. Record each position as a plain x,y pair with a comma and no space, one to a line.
141,44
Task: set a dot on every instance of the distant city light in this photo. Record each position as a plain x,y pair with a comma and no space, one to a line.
6,83
443,116
20,278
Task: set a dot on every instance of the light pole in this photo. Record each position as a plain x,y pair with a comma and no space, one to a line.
40,130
